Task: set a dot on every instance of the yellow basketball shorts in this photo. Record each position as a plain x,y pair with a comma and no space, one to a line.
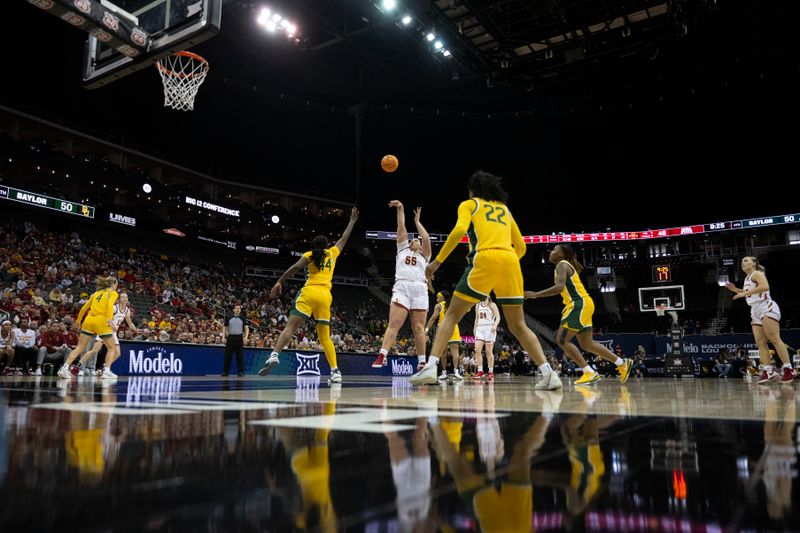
96,325
490,270
577,316
313,301
508,510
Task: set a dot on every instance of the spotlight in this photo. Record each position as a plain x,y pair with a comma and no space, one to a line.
291,29
406,20
446,53
275,219
284,23
271,26
438,45
276,17
430,37
389,5
147,188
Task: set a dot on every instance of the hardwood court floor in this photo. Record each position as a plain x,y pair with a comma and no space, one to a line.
376,455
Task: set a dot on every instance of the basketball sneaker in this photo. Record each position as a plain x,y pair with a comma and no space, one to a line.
336,376
108,374
478,375
456,376
550,382
64,372
272,361
490,376
768,375
788,375
588,378
443,375
380,361
75,370
625,370
426,376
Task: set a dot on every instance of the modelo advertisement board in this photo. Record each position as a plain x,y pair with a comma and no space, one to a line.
175,359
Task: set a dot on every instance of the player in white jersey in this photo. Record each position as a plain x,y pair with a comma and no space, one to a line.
487,318
765,318
410,291
122,313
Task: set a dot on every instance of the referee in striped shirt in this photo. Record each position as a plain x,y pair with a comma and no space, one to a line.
236,333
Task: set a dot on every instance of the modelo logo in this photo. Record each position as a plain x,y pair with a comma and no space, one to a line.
143,362
401,367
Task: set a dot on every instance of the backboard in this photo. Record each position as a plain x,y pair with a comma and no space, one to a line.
172,25
670,296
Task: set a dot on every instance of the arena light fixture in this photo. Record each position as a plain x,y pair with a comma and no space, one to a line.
274,22
438,45
389,5
147,188
275,219
430,37
406,20
446,53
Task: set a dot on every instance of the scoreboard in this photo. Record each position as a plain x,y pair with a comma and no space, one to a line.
46,202
677,231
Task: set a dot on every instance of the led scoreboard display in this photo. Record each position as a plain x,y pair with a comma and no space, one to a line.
678,231
662,273
47,202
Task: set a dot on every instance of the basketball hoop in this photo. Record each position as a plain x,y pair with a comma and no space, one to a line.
660,309
182,73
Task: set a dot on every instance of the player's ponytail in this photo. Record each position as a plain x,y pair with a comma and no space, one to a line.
105,282
318,247
487,186
569,257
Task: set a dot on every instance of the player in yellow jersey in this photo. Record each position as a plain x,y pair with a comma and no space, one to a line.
314,299
453,344
576,319
95,319
495,248
504,507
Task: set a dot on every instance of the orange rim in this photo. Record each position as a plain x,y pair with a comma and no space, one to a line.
190,55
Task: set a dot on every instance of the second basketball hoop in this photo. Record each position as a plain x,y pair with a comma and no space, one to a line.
182,73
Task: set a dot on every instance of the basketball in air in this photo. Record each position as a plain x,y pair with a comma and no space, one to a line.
389,163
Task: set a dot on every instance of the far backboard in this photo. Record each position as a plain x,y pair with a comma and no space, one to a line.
173,25
670,296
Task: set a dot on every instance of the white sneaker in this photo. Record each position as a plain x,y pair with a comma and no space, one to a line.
457,376
272,361
336,376
38,372
63,373
426,376
108,374
81,373
443,375
549,382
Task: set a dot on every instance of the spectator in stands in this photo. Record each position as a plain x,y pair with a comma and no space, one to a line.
23,339
722,367
6,349
639,368
52,346
56,296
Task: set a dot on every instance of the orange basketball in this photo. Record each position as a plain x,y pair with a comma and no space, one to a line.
389,163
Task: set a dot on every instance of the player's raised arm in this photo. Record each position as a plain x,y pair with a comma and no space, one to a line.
301,263
348,230
423,234
562,273
402,233
762,285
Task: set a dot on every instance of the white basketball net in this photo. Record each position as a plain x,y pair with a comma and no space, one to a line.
182,73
